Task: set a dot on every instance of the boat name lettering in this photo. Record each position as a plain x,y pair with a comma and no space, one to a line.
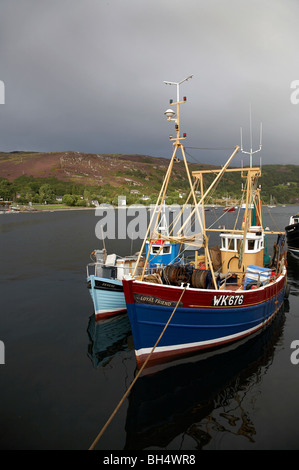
227,300
107,286
148,299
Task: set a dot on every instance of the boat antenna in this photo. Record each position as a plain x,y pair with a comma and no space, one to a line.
251,152
172,116
178,86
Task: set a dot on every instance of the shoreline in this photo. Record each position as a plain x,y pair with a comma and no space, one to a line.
38,211
22,210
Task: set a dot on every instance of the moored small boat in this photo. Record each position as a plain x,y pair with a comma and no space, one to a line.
229,209
292,234
104,281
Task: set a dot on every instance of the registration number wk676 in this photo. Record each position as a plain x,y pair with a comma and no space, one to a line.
227,300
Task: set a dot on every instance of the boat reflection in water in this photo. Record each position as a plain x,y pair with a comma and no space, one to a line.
193,400
107,338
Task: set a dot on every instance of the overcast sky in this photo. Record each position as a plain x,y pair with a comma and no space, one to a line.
87,75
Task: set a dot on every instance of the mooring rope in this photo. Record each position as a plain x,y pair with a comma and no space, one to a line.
137,376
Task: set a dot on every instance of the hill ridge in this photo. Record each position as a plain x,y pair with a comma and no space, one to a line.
136,173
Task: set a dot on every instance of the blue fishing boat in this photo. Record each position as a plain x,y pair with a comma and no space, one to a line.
233,295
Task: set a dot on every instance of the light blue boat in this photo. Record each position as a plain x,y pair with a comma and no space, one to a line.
104,281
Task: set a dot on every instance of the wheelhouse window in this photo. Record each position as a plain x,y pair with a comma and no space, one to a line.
250,245
231,244
164,251
223,243
234,244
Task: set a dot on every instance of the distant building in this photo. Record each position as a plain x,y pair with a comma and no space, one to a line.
122,200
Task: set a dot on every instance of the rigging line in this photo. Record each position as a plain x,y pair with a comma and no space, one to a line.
224,213
178,216
209,148
269,213
137,376
195,159
192,157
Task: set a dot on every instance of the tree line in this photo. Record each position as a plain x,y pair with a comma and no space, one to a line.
279,184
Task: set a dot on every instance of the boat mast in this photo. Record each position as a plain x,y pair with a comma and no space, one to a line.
171,116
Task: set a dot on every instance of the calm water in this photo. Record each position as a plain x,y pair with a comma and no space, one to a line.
64,375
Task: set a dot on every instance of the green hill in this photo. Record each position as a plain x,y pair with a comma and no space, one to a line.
34,176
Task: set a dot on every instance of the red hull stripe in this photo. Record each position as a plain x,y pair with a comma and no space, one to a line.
100,315
200,298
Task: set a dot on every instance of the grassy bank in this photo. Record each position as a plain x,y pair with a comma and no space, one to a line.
48,207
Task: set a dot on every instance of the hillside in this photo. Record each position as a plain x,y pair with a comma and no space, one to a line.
84,168
123,174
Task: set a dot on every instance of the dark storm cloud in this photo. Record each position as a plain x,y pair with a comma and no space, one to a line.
87,75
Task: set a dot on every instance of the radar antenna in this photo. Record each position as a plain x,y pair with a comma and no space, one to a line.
251,152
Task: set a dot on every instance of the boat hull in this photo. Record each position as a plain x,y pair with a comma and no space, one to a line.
107,296
204,319
292,235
